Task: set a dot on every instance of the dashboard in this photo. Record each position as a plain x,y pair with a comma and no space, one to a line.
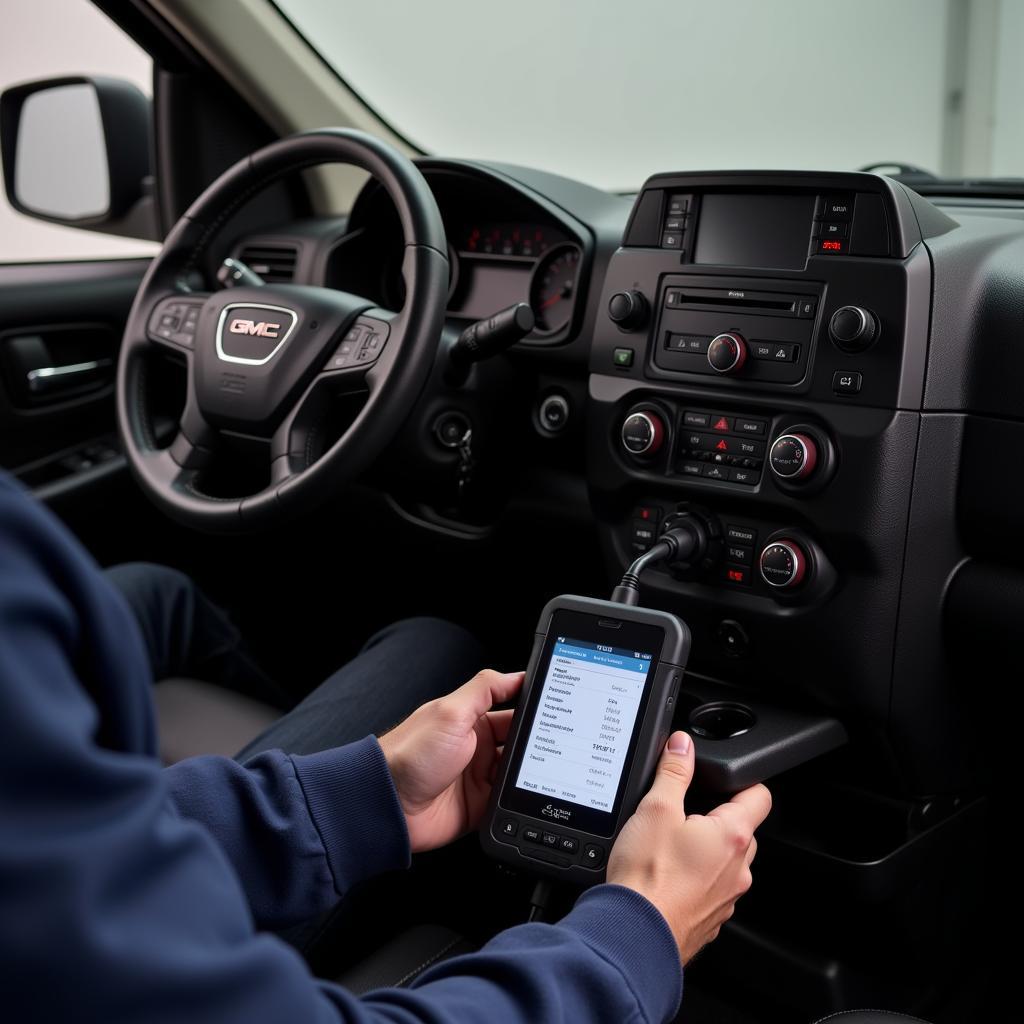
802,362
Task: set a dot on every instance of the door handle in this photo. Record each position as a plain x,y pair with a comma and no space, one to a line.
53,378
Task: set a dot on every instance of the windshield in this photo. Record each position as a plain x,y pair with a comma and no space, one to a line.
610,92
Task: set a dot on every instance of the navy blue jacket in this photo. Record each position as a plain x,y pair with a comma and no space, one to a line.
135,893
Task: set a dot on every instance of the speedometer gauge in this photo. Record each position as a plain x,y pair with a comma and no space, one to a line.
553,287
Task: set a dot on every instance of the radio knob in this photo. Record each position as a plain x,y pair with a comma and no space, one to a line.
853,328
628,310
643,433
783,564
727,352
793,457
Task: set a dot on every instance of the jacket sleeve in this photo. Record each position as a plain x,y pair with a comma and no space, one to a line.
299,831
116,906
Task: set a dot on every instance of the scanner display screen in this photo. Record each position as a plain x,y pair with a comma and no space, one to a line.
579,739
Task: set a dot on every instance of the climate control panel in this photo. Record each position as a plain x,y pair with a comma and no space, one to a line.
753,556
726,447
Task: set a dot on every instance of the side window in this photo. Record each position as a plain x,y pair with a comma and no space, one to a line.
46,39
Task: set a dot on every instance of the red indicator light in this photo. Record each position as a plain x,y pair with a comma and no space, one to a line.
722,445
831,245
721,424
645,513
735,575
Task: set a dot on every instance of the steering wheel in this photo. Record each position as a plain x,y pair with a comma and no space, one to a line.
264,361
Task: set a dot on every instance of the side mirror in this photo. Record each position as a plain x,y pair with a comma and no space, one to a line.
76,151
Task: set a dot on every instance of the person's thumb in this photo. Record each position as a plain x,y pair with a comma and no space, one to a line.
675,770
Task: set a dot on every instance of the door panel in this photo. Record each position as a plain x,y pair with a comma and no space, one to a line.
60,330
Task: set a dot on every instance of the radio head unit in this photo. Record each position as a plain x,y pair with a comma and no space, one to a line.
723,327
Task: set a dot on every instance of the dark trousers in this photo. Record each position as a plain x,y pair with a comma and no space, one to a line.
398,669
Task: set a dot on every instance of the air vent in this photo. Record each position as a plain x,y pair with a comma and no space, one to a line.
274,263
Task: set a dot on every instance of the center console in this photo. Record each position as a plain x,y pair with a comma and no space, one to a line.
758,361
757,365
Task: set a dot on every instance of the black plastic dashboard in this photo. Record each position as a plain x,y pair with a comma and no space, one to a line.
802,360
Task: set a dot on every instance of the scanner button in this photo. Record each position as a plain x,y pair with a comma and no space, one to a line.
509,827
567,844
532,835
550,839
593,855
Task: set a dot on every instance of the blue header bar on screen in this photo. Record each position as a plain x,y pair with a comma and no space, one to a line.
598,654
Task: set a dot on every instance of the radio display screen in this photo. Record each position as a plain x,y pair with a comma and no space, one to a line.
738,230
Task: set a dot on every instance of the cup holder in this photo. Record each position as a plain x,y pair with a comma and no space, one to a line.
721,720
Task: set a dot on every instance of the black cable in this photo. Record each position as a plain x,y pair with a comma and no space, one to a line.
539,900
676,544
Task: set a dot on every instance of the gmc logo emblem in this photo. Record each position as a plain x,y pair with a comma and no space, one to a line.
260,328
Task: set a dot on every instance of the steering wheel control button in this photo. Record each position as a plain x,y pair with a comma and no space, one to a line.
508,827
450,428
553,414
727,352
362,344
783,564
593,855
628,310
853,328
643,433
345,354
847,382
793,457
623,358
175,321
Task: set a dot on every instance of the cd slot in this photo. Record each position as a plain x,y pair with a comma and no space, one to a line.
769,303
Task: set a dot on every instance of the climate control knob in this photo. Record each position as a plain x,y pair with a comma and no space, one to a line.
793,457
643,432
853,328
783,564
727,352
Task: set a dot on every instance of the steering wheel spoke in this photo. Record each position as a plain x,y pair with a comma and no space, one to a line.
173,320
360,348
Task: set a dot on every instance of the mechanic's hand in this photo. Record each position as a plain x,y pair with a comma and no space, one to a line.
443,757
695,867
